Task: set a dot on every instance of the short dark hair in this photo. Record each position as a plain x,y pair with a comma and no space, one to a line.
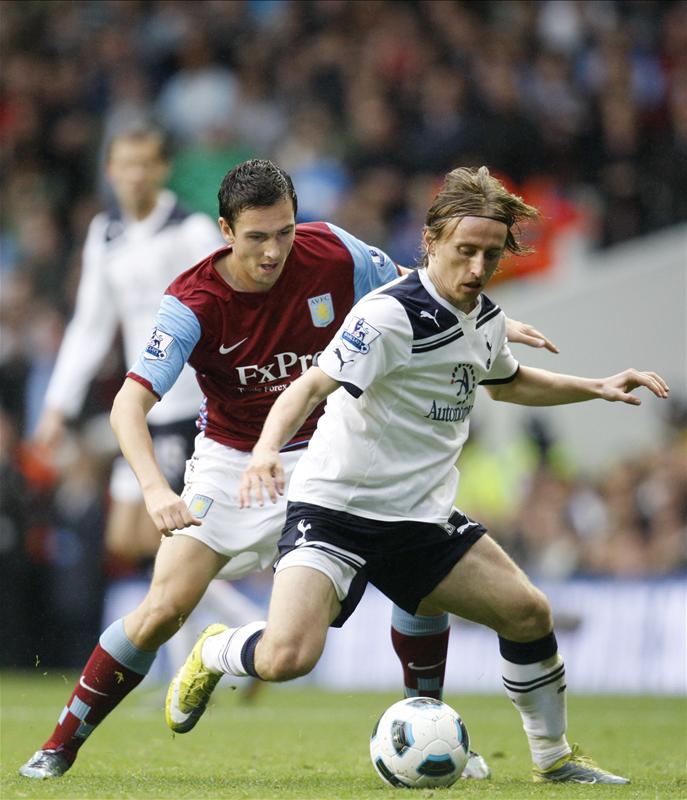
137,130
254,184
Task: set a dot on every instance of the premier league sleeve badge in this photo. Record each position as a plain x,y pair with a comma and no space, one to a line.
359,335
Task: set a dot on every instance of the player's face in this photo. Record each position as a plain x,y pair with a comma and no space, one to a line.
462,261
136,170
261,240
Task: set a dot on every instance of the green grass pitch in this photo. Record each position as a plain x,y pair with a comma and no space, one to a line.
295,742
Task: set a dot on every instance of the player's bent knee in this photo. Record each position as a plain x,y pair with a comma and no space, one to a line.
153,623
531,618
285,661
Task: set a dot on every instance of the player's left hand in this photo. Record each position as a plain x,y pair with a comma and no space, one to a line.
264,470
522,333
617,388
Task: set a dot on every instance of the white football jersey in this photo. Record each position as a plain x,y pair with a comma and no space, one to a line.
127,266
409,363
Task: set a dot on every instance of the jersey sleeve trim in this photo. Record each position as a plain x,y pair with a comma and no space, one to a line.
145,383
494,381
372,267
352,389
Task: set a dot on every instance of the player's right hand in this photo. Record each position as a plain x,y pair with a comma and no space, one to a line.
523,333
264,470
168,511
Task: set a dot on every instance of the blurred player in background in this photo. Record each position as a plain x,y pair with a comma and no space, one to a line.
131,254
372,497
250,319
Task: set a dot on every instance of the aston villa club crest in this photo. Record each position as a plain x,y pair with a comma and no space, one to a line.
200,505
321,310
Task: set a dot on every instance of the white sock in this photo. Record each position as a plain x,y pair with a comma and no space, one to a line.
221,654
220,601
538,692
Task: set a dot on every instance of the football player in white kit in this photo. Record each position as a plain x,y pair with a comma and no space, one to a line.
132,253
372,498
249,318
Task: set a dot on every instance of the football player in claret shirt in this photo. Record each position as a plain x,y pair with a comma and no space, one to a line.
133,250
372,498
250,319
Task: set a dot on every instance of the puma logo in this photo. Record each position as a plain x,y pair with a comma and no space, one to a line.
337,350
433,317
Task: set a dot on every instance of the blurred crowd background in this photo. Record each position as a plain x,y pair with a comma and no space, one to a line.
580,106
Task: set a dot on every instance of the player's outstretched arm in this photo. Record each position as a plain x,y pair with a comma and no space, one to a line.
523,333
538,387
128,419
286,416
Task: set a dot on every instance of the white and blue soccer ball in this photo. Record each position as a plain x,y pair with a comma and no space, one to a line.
421,743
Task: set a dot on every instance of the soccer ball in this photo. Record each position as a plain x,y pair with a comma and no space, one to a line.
419,742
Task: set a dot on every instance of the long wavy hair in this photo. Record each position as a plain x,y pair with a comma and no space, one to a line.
468,192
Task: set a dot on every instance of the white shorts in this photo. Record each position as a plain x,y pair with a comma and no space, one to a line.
248,535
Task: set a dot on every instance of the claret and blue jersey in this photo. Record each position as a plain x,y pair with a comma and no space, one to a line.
248,347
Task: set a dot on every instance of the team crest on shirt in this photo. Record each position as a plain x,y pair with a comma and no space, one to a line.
359,335
321,310
158,345
464,381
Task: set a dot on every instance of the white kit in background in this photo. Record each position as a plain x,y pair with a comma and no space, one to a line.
127,265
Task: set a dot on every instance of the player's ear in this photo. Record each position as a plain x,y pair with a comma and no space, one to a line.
226,231
428,240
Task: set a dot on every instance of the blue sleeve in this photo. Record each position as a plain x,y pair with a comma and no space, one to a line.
174,336
372,267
